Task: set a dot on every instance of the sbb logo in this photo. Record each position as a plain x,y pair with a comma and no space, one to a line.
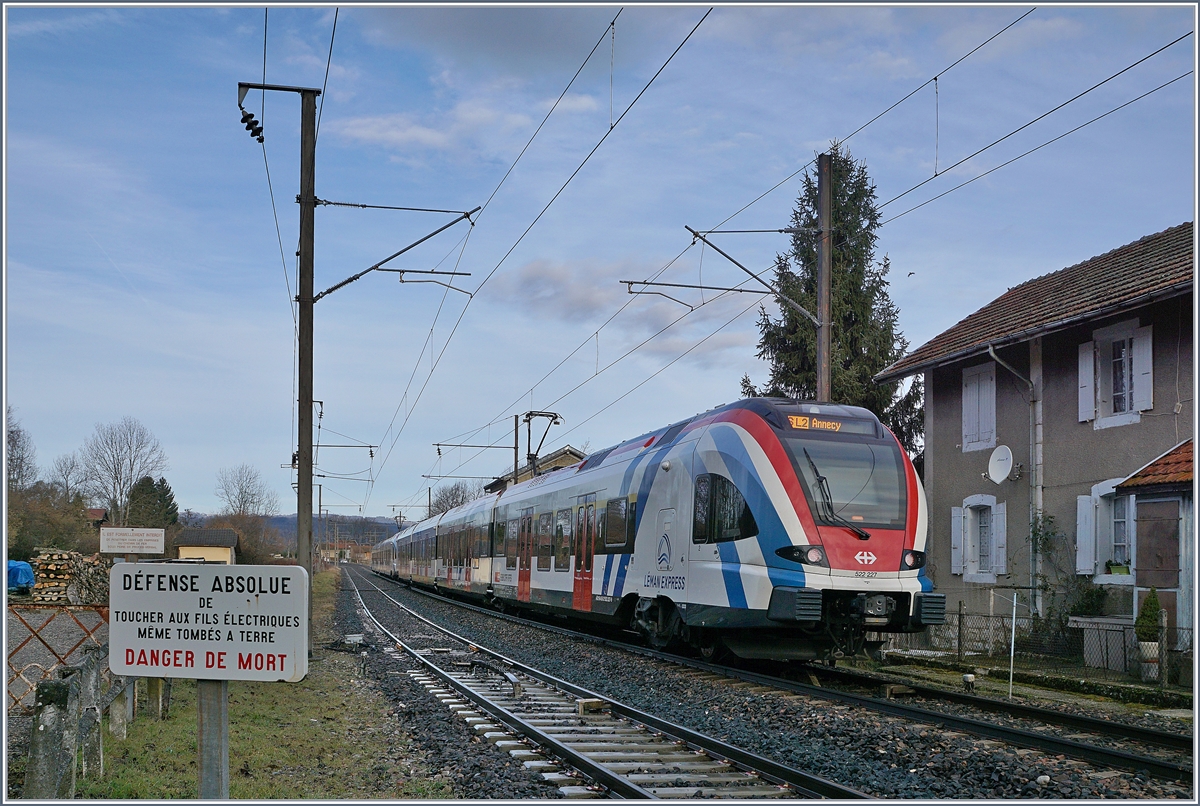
865,557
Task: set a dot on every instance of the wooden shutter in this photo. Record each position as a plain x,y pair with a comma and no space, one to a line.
987,405
1087,382
956,540
1085,535
1143,368
999,540
970,409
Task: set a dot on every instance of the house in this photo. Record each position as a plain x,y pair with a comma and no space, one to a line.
212,545
1038,407
1158,500
563,457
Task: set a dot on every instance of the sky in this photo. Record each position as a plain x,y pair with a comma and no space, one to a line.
149,249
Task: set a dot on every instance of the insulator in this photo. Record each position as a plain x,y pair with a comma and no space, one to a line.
247,116
256,131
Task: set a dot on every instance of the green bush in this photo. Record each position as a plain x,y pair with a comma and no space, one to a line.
1089,601
1146,624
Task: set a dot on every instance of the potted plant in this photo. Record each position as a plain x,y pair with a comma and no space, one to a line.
1116,568
1146,629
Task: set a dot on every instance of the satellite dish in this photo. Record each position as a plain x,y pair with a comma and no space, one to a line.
1000,464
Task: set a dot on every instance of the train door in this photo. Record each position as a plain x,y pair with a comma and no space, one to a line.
524,554
585,552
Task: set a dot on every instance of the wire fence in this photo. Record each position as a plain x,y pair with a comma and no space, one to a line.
1096,648
43,638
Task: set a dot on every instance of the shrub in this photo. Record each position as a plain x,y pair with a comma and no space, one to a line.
1146,624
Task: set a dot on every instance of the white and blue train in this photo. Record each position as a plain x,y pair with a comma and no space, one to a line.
771,527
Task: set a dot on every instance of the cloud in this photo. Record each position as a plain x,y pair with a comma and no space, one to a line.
571,102
467,123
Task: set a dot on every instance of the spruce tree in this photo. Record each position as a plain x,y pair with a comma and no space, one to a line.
152,504
864,337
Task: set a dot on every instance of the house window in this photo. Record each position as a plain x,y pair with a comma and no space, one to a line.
978,540
1104,533
1116,375
979,407
1120,530
983,516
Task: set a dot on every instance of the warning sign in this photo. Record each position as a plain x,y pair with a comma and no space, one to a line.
126,540
209,622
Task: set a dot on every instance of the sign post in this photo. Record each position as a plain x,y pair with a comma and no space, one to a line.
213,623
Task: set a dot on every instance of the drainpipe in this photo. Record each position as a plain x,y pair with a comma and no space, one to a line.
1034,468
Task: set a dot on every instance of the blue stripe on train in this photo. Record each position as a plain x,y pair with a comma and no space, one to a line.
608,564
622,567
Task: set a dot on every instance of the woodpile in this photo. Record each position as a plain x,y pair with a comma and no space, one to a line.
67,577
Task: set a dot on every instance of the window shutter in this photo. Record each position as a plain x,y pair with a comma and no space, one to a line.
1143,368
970,410
956,540
987,405
1087,377
999,540
1085,535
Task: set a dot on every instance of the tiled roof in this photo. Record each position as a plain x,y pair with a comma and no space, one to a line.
1173,467
207,537
1157,266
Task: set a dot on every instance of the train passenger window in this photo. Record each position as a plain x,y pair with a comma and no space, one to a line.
562,540
510,543
720,511
545,531
615,522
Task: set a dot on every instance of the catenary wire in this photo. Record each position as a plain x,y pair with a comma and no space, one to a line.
745,207
1036,148
325,83
742,209
467,305
437,314
1035,120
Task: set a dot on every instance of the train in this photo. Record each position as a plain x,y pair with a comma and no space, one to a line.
769,528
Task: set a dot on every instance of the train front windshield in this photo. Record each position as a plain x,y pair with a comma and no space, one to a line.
865,478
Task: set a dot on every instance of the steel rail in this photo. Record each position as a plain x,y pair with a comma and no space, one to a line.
805,784
1156,768
1173,741
597,772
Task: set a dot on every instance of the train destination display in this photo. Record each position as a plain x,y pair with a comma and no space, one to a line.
209,622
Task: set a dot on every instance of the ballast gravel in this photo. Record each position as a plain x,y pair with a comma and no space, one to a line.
880,755
474,769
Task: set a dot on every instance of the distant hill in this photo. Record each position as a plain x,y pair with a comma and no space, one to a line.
338,528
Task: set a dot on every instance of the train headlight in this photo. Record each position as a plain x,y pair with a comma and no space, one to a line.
913,559
808,555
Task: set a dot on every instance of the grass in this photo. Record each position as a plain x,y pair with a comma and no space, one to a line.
330,736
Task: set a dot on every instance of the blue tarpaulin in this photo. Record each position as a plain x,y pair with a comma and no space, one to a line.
20,574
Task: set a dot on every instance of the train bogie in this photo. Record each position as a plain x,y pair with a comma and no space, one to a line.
770,527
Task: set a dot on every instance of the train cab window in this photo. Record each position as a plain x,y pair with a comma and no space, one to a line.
545,531
562,540
616,522
720,511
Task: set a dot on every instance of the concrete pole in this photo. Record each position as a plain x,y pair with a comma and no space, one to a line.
304,471
824,273
516,447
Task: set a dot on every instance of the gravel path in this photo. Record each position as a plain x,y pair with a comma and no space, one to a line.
883,756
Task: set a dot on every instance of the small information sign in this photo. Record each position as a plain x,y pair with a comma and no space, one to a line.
209,622
126,540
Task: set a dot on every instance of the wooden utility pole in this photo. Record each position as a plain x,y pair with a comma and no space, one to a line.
304,301
308,206
824,273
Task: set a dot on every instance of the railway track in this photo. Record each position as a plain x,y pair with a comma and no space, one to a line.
1033,739
624,752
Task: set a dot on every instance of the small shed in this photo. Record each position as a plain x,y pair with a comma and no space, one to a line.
212,545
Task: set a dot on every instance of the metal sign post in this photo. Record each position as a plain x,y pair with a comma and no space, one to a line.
213,623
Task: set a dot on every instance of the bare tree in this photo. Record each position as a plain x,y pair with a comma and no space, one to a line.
115,457
20,455
244,492
460,492
68,475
